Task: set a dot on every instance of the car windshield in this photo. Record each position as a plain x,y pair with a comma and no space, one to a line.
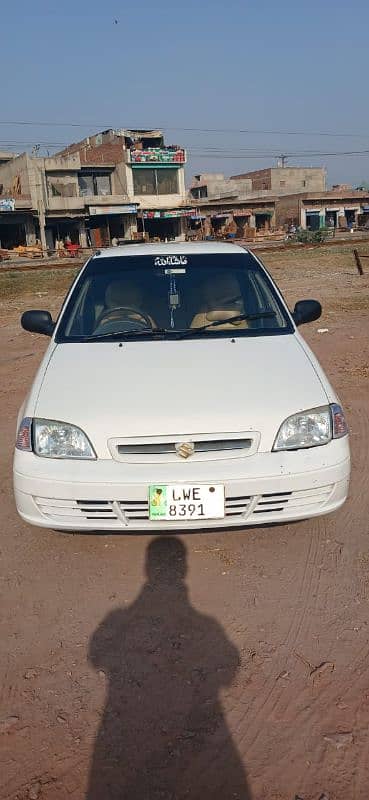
149,296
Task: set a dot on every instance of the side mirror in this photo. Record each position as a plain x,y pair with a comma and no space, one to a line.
38,322
306,311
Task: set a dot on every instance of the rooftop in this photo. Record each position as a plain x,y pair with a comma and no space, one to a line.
5,155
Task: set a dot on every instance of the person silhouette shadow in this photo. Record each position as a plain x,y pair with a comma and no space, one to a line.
163,734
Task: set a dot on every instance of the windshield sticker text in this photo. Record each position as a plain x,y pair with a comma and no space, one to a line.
170,261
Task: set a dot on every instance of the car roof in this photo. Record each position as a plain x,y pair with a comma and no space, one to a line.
175,248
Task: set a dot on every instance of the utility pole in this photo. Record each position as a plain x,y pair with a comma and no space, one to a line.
40,195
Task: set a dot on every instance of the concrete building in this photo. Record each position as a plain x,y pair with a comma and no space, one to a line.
285,180
17,225
223,202
116,184
214,186
5,156
340,207
138,169
251,199
274,181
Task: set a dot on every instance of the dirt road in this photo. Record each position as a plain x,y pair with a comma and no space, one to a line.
265,630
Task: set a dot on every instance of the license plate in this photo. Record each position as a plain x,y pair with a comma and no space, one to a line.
186,501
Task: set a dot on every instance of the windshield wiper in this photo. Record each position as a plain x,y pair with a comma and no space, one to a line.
218,322
179,334
128,334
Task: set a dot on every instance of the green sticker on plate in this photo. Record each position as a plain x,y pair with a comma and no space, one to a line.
158,502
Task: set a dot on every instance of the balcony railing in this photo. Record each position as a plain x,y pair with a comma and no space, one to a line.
158,155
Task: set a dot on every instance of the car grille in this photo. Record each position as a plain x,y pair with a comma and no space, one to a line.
125,513
135,510
170,447
74,510
165,449
286,501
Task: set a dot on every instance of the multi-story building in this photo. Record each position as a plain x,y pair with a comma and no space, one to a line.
274,181
274,198
219,200
341,207
117,184
282,180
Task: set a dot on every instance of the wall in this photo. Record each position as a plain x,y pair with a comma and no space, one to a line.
106,153
154,201
298,179
119,179
260,178
69,163
287,210
14,176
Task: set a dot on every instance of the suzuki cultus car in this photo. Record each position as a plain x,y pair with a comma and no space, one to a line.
177,392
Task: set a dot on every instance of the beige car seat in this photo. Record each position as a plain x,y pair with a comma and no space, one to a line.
122,293
222,299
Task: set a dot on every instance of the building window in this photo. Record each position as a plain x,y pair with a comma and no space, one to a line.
155,181
282,183
304,183
61,185
94,183
199,192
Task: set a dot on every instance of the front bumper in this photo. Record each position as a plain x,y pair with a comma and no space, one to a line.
106,495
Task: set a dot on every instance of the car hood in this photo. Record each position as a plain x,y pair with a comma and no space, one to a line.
153,388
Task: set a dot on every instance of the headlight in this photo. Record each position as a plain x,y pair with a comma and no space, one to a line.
60,440
306,429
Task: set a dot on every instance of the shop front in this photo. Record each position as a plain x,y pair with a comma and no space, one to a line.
164,225
196,227
61,231
16,228
107,223
263,219
243,218
232,223
314,219
363,217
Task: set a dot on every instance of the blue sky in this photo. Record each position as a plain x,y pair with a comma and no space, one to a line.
265,66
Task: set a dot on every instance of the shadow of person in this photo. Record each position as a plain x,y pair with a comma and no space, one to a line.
163,735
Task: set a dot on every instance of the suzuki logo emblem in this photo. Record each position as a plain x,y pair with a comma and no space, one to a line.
185,449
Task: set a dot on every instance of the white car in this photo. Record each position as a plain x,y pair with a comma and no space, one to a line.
177,392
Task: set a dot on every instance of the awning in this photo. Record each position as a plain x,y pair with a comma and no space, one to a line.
168,214
242,212
259,212
96,211
365,209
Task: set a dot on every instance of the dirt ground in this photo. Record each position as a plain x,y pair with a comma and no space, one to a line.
248,676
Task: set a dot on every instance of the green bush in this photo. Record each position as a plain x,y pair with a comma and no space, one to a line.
312,237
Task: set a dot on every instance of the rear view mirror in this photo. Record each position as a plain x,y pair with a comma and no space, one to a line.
38,322
306,311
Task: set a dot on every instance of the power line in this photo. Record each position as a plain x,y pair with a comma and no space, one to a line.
275,155
30,144
105,126
213,151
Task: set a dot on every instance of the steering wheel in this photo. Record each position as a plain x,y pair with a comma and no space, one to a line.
120,313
